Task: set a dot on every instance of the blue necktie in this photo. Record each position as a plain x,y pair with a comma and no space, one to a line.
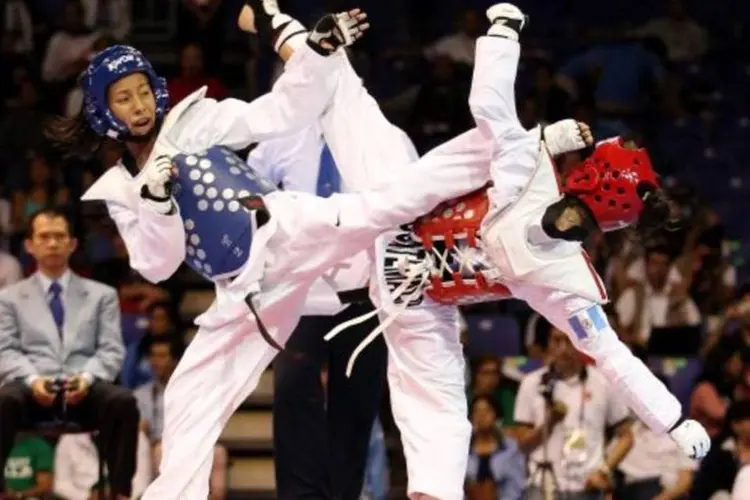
56,305
329,180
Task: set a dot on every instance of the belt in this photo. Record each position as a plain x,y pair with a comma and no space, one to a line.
354,296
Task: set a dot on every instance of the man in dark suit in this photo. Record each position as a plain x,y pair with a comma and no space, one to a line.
56,325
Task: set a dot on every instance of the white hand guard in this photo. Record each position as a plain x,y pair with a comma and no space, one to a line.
562,137
692,439
156,190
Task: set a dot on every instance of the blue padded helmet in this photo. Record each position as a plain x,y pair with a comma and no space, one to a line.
107,67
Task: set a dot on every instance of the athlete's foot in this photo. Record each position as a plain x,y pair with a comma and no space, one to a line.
334,31
507,21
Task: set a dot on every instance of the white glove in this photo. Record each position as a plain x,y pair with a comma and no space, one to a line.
156,190
337,30
565,136
692,439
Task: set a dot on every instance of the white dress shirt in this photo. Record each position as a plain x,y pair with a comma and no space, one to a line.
77,467
46,282
592,407
654,456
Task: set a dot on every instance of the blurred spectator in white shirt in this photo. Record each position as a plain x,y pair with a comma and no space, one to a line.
655,468
459,47
658,302
562,414
164,353
70,48
77,467
111,16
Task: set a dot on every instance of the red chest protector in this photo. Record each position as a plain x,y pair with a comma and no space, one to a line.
459,268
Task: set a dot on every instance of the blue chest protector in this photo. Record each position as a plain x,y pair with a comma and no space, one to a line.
218,228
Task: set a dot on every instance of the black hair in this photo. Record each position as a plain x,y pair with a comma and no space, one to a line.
174,342
52,212
739,411
72,136
657,213
490,401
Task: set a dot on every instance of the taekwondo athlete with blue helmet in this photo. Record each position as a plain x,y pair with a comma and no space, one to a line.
179,195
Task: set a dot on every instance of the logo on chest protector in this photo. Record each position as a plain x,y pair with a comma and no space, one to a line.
401,254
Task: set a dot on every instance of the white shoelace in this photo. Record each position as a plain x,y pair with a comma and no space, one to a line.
415,272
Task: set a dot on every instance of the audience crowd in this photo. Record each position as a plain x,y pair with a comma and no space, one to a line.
673,75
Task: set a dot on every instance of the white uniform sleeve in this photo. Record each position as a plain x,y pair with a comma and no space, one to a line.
155,242
524,413
298,99
617,410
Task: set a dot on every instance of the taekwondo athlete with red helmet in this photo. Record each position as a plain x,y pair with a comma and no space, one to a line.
534,229
179,195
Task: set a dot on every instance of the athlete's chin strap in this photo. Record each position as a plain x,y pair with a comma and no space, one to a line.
415,273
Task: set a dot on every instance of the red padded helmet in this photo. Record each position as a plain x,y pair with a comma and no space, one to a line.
607,183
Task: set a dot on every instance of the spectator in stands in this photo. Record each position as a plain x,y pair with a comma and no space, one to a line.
10,268
20,127
571,405
685,39
620,74
656,303
73,101
110,16
28,469
77,468
162,323
56,324
655,468
459,46
712,278
164,353
204,21
719,468
17,27
69,48
497,468
192,76
439,111
715,387
43,188
488,381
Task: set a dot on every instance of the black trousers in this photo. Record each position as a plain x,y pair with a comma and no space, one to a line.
320,443
107,408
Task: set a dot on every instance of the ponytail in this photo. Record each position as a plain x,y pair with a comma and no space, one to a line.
72,136
658,212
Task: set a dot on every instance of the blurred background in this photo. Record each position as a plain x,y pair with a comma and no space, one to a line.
672,74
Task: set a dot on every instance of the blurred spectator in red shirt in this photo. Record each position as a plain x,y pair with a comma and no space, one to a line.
192,76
